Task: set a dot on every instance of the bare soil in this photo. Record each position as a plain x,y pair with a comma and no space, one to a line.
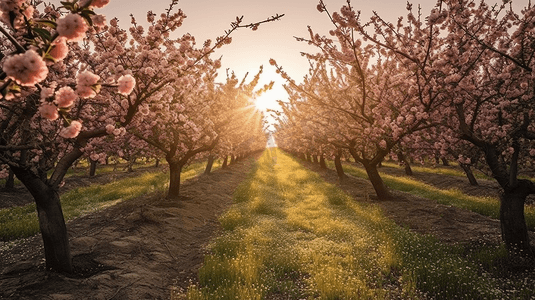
150,247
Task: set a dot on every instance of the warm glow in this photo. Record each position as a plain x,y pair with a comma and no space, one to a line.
268,100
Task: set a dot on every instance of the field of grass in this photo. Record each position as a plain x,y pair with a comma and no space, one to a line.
438,170
487,206
19,222
291,235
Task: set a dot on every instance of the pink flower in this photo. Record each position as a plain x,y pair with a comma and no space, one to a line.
65,97
99,20
72,130
27,69
46,93
59,49
95,3
109,128
11,8
126,84
85,82
72,26
49,111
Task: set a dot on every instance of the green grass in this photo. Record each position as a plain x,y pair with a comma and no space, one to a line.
20,222
291,235
438,170
487,206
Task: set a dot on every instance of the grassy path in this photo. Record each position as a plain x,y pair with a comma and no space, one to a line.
19,222
291,235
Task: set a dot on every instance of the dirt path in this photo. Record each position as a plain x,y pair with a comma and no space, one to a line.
135,250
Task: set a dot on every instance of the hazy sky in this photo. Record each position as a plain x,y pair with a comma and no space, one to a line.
250,49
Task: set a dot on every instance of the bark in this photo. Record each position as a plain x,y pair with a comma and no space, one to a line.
512,221
445,162
338,165
468,171
225,162
378,185
10,180
51,221
92,168
209,164
323,165
315,159
403,159
157,163
174,180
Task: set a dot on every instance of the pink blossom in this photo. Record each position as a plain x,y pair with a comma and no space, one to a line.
72,26
85,82
27,69
72,130
99,3
65,97
59,49
49,111
126,84
99,20
47,93
109,128
382,144
11,8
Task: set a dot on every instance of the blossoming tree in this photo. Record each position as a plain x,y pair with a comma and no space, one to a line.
55,101
478,60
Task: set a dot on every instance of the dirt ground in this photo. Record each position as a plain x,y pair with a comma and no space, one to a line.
143,248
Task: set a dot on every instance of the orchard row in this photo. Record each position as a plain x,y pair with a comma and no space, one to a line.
73,86
457,83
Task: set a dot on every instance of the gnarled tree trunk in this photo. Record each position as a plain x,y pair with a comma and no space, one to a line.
92,167
512,221
338,165
378,184
175,168
51,221
209,164
468,171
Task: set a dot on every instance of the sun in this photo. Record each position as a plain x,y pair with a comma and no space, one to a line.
268,100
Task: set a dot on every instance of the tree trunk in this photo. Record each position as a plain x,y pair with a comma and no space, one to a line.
338,165
225,162
51,222
403,159
157,163
309,157
209,165
232,159
468,171
323,165
92,168
303,156
10,180
513,224
174,180
445,162
378,185
315,159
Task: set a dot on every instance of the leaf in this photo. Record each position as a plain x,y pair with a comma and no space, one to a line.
47,23
43,33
